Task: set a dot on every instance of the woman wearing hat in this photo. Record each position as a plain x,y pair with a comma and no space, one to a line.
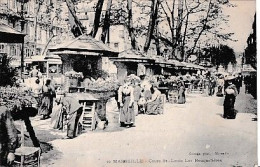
126,101
230,98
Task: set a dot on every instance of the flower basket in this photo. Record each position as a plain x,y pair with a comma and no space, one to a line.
73,82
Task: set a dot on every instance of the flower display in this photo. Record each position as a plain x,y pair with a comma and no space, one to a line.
73,74
108,84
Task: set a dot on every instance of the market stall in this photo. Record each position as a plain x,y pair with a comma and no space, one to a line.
83,67
132,62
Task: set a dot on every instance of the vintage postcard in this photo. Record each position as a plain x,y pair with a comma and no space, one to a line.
122,83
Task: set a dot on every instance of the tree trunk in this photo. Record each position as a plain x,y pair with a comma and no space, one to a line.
156,39
77,25
106,22
185,32
35,25
153,17
97,18
130,23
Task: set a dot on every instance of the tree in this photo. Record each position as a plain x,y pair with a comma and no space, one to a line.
152,22
106,24
220,55
7,73
98,11
77,27
130,23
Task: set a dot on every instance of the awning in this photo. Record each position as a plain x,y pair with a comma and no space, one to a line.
83,45
10,35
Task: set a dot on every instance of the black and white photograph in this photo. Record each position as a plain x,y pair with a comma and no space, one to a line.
128,83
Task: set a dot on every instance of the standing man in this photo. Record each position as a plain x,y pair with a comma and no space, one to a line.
8,137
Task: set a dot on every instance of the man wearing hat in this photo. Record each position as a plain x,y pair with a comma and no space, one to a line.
230,98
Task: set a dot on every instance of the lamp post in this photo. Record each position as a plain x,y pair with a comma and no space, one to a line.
22,30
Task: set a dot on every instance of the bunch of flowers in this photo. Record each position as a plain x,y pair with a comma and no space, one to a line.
73,74
16,100
108,84
133,78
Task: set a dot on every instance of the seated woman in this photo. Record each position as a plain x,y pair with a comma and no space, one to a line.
154,104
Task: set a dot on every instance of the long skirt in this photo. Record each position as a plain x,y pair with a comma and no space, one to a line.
181,96
45,106
57,117
154,107
127,114
220,91
73,123
136,108
229,110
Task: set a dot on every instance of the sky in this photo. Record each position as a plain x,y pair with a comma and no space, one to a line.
240,22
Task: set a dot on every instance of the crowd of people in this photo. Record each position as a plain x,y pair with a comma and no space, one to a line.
137,95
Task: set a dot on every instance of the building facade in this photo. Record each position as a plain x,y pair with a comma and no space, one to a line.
51,24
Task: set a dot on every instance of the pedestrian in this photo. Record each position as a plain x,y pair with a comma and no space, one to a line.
74,111
37,90
126,100
8,137
238,83
230,98
212,85
48,93
220,83
34,72
181,93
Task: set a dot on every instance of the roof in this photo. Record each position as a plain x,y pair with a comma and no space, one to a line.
83,44
131,55
10,35
50,59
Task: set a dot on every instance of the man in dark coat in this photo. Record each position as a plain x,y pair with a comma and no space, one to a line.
8,137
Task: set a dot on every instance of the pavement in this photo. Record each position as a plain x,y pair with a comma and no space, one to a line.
186,135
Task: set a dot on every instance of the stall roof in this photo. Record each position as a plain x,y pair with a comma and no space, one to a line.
10,35
50,59
131,55
82,45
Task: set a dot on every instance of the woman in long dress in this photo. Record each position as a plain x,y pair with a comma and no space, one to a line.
181,93
48,93
126,100
57,115
220,86
229,102
154,104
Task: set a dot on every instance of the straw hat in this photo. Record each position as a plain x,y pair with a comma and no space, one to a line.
228,78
